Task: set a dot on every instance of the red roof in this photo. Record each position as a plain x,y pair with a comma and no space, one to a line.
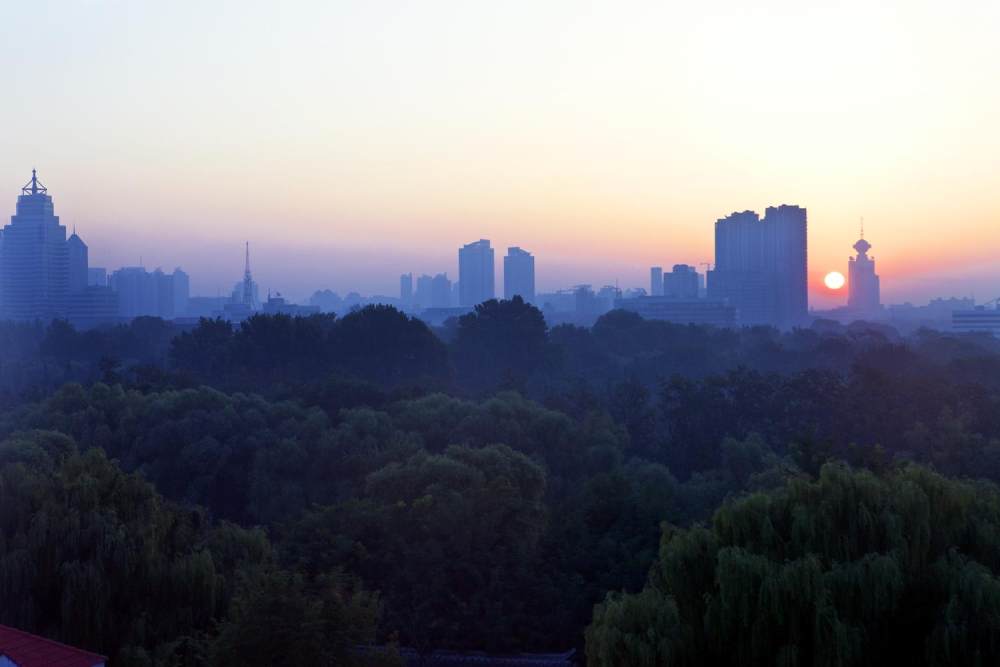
28,650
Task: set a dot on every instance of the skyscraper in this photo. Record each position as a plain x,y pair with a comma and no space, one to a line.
424,296
656,281
786,253
761,265
34,259
862,281
79,263
519,274
406,289
475,273
440,291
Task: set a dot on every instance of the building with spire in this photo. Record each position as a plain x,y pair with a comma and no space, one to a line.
863,292
249,292
34,259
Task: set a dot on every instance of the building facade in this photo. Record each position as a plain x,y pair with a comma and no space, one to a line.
79,263
34,259
406,289
475,273
761,266
519,274
656,281
680,283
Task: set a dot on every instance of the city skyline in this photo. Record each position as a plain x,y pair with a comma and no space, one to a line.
820,295
604,133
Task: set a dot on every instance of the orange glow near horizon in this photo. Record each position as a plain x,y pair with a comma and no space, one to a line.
376,138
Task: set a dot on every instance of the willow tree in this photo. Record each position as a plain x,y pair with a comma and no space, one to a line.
849,569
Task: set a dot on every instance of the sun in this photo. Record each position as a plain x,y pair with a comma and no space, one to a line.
834,280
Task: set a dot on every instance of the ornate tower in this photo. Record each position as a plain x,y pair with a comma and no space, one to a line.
34,259
862,282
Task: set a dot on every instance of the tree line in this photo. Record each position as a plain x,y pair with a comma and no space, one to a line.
721,496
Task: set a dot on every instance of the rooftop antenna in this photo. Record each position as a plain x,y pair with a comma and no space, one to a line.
33,187
862,226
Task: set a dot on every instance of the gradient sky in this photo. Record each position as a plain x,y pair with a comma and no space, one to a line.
353,141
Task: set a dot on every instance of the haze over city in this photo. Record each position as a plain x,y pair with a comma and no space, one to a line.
350,142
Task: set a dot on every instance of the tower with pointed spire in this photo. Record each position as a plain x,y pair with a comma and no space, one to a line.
863,290
34,258
248,286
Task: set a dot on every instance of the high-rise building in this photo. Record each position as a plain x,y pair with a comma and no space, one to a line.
862,281
34,259
656,281
681,283
761,266
141,293
519,274
423,298
79,263
182,291
786,253
406,289
475,273
440,291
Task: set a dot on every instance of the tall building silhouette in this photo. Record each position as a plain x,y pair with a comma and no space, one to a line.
656,281
406,289
761,265
79,263
862,281
475,273
34,259
440,291
519,274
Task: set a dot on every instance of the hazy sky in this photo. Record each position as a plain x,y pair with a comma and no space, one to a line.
352,141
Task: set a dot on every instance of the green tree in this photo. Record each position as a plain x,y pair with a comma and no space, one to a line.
849,569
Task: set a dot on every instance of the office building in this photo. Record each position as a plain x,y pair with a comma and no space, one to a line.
144,294
422,297
519,274
979,319
656,281
475,273
680,283
863,292
278,305
92,306
440,291
34,259
406,289
761,266
79,263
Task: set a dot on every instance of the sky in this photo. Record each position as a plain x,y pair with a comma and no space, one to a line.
350,142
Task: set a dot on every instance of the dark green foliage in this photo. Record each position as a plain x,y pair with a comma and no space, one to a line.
376,344
447,538
95,558
501,343
849,569
274,621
